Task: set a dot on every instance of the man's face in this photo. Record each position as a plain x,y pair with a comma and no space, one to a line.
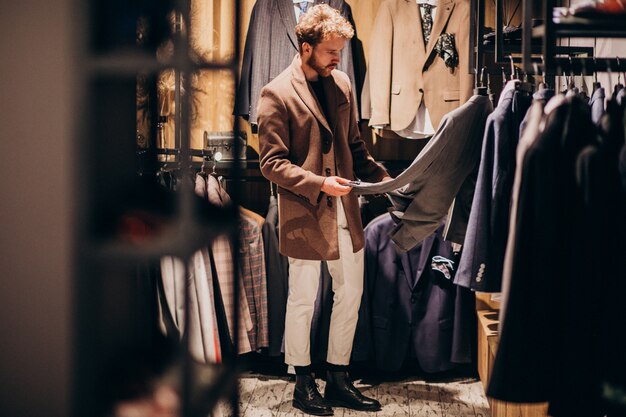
324,57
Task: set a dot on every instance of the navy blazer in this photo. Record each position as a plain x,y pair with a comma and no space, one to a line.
550,326
481,262
408,308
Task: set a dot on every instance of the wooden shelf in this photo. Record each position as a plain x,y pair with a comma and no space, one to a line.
180,238
612,28
488,338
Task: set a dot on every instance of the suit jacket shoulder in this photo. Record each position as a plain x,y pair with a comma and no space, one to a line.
342,80
282,80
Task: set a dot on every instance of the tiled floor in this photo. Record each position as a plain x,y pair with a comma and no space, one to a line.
271,396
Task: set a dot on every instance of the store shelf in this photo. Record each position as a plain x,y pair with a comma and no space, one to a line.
131,61
560,50
180,238
610,28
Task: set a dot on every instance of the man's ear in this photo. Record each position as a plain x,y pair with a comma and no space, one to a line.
306,47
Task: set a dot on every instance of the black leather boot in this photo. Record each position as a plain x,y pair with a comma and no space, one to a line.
340,392
307,398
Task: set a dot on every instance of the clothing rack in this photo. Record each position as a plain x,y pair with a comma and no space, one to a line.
111,193
503,53
550,31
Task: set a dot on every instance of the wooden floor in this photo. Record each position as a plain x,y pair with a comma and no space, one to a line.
262,396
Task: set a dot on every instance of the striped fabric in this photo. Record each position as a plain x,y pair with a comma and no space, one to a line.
252,269
204,342
223,255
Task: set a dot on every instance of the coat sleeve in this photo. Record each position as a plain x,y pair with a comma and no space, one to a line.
274,139
379,73
242,101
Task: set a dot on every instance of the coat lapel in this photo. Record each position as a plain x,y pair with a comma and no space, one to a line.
444,10
406,267
412,12
288,17
424,261
304,92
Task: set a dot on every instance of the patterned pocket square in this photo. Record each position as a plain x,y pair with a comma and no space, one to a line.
443,265
446,49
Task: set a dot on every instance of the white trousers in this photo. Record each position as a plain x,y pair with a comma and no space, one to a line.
347,284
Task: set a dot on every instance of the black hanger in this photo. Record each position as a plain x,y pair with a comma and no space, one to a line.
202,171
619,84
540,85
595,84
524,86
480,90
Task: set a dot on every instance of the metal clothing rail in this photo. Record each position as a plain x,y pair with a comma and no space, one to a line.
550,31
501,51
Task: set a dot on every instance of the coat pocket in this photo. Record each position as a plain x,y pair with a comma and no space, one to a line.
396,88
451,95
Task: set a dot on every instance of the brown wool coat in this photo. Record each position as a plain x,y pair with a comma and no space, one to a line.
299,147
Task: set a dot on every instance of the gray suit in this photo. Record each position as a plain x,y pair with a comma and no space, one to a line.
271,45
426,190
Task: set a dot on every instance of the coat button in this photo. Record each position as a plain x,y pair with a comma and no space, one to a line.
329,201
328,172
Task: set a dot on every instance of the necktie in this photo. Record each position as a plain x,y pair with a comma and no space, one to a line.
303,5
427,22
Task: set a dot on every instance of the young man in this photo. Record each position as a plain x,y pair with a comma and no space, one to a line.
311,148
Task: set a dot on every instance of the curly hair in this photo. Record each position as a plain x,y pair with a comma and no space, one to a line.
319,23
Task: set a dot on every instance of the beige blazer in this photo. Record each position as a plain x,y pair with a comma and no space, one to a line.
403,71
299,147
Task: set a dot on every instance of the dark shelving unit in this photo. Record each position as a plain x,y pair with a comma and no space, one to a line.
550,31
115,293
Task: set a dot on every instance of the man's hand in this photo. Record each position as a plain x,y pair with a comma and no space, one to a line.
336,186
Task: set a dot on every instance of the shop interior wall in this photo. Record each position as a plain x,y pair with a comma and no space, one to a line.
36,184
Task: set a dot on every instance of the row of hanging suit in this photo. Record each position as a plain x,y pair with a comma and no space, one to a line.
417,66
537,198
391,97
410,308
211,276
546,229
